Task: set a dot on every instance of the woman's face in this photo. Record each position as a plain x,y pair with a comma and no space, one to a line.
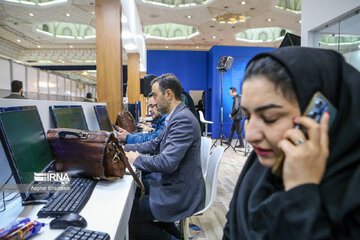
268,115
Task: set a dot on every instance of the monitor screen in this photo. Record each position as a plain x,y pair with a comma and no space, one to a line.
133,109
103,118
69,117
24,142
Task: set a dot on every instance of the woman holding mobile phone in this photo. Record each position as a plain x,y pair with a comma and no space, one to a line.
317,196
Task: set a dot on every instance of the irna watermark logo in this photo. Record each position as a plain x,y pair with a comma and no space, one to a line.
52,177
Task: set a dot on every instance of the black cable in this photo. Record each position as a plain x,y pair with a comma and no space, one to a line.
15,196
4,205
3,194
6,182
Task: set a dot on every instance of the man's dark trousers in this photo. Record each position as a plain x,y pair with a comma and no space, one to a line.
236,126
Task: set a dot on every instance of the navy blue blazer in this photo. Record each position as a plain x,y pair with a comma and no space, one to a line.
177,188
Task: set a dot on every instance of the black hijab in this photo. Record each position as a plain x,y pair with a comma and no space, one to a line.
253,204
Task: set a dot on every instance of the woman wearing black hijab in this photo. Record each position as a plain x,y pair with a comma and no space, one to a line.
318,196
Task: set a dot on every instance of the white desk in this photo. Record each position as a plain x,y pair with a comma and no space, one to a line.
108,210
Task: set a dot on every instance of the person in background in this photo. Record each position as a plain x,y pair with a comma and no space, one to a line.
176,188
124,135
315,195
16,90
236,116
201,103
88,97
189,103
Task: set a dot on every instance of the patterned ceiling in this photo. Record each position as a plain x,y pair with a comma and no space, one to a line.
61,32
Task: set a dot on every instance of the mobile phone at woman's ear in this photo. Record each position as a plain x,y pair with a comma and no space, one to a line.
318,105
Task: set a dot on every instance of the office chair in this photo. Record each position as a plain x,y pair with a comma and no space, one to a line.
211,184
205,154
202,119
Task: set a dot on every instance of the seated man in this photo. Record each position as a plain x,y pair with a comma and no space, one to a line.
16,90
176,188
124,135
88,97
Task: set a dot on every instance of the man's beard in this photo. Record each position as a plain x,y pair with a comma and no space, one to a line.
163,106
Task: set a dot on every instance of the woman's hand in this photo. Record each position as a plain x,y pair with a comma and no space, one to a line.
305,159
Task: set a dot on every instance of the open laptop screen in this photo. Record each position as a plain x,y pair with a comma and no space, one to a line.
103,118
24,142
69,117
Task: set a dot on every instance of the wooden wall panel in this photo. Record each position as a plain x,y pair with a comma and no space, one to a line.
108,55
143,105
142,74
133,84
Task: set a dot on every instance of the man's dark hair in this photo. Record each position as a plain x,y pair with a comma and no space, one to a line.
169,81
89,95
16,85
233,89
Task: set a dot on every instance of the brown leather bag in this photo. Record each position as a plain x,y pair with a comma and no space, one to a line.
89,154
126,121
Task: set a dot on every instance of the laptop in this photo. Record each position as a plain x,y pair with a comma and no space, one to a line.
69,116
103,118
27,150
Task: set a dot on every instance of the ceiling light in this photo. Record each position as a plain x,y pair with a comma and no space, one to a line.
359,46
300,21
85,73
18,40
67,14
71,46
166,46
93,13
214,37
230,18
243,2
38,46
31,14
197,47
269,20
189,16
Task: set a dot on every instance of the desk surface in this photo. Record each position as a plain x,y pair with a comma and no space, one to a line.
108,210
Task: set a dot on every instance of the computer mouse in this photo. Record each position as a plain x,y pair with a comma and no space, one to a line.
69,219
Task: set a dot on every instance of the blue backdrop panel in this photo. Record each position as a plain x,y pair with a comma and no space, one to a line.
189,66
232,78
196,70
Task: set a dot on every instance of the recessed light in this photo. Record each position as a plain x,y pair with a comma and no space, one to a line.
269,20
243,2
71,46
189,16
214,37
93,13
31,14
300,21
197,47
18,40
38,46
166,46
67,14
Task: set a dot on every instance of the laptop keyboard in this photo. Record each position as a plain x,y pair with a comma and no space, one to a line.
69,202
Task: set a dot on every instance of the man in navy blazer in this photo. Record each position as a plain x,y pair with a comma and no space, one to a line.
176,185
